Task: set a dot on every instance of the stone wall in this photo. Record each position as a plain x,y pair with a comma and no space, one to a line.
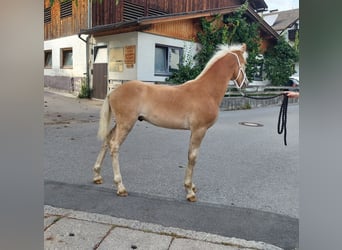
64,83
234,103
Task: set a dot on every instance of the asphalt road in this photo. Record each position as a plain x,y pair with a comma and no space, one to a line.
247,179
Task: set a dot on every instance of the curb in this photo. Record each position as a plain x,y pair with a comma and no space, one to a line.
157,229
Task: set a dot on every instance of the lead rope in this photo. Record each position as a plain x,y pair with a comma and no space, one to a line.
282,119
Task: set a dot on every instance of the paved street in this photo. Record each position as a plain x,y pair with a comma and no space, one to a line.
247,178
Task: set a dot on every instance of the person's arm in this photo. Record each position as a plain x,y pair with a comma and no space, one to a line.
292,94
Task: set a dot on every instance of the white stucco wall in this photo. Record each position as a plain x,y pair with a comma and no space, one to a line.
146,51
120,41
79,56
145,44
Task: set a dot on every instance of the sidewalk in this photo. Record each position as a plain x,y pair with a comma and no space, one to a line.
69,229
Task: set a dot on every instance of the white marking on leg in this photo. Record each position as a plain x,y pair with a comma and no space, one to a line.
97,166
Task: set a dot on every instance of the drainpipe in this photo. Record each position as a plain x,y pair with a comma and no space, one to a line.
89,14
89,24
87,57
87,41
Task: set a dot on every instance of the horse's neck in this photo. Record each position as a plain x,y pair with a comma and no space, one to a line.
215,80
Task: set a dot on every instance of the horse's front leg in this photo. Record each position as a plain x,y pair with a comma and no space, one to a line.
194,145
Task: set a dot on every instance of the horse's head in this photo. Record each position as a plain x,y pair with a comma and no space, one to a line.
240,77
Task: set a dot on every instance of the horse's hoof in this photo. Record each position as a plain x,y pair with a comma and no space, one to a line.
98,180
122,193
191,198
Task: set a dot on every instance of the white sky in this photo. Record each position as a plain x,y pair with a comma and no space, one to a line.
282,4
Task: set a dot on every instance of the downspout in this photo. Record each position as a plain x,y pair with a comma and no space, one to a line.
87,57
87,42
89,14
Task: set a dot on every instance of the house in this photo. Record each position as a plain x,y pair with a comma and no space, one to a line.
136,39
65,62
286,23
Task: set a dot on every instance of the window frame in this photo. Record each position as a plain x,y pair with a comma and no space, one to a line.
46,53
167,60
63,62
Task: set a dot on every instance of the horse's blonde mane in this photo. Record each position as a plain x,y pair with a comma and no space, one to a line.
222,50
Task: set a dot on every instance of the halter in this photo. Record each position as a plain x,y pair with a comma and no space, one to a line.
240,70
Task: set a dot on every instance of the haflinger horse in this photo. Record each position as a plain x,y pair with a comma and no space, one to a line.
193,105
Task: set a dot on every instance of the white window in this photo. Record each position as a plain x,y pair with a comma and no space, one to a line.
48,59
66,59
167,59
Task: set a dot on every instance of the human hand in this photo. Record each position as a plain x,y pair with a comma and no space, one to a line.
292,94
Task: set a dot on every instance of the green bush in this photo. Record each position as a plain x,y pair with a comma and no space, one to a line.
228,29
280,61
85,91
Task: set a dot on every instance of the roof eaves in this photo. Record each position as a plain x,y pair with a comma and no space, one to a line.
288,26
159,19
264,25
187,15
141,21
107,27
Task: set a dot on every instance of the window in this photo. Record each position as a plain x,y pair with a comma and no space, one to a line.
292,34
66,9
167,59
100,55
47,15
66,60
48,59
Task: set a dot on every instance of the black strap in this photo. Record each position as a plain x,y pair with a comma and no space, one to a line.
282,119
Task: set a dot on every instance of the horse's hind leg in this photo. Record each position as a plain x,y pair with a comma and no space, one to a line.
117,139
97,166
195,142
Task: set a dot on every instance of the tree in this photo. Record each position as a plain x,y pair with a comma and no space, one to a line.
280,61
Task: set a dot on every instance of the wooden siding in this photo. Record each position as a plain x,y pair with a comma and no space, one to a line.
60,27
108,12
182,29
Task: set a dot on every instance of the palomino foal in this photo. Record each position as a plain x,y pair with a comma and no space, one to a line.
193,105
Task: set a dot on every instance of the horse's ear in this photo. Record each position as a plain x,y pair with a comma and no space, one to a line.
243,47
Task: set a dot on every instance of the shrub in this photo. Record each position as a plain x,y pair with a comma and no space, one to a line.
85,89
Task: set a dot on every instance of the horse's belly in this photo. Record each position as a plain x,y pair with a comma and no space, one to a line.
167,121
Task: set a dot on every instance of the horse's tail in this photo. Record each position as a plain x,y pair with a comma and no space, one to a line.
105,118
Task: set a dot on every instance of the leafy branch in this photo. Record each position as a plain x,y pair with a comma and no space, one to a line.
227,29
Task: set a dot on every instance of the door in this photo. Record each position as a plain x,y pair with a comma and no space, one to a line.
100,69
100,80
